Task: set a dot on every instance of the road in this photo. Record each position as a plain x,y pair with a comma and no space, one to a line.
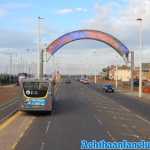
8,109
83,113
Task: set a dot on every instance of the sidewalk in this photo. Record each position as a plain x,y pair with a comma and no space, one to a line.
145,97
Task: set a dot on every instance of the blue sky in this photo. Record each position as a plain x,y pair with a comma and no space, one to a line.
18,27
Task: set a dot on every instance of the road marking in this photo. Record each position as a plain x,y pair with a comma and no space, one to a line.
98,120
131,135
124,108
47,127
42,146
124,125
21,134
110,135
8,105
99,110
9,120
141,118
115,117
10,101
133,126
7,116
108,99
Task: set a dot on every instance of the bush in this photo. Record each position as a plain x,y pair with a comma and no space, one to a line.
7,79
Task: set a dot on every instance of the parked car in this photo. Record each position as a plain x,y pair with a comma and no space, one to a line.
108,88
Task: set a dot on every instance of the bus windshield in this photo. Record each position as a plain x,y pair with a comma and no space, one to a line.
35,89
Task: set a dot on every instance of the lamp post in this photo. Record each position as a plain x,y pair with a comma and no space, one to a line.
116,77
40,57
95,72
140,60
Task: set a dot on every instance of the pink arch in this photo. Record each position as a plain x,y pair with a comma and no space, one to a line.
89,34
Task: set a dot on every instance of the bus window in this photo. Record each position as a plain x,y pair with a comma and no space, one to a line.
35,89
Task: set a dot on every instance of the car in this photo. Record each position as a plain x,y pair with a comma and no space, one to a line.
84,80
67,81
108,88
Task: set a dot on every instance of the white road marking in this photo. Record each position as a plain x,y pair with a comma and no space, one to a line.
99,110
114,117
124,125
47,127
98,120
8,105
110,135
124,108
42,146
141,118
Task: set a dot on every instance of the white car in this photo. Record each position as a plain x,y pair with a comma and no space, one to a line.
85,81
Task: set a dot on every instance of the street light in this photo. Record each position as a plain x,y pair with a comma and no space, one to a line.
140,61
116,77
95,72
40,57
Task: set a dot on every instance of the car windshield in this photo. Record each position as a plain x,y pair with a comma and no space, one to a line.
109,86
35,89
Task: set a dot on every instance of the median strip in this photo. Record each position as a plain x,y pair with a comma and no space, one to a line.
9,120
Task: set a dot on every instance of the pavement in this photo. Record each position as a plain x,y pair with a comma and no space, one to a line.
145,97
83,112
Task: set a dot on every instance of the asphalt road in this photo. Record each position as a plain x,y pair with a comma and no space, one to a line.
8,109
133,103
83,113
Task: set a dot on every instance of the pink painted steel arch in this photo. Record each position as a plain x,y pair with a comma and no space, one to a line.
89,34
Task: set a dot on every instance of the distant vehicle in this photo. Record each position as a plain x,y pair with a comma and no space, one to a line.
37,95
84,80
67,80
136,83
108,88
20,78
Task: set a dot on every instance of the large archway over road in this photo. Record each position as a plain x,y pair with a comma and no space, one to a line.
110,40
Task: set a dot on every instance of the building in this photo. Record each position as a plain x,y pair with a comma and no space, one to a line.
123,73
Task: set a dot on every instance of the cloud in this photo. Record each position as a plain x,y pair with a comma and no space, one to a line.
7,8
120,20
16,39
71,10
3,12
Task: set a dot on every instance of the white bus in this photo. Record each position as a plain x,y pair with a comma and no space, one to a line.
37,95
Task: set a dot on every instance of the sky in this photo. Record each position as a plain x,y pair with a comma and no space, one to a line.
19,24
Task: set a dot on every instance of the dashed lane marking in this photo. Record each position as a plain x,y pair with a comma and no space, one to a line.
110,135
98,120
141,118
47,127
42,146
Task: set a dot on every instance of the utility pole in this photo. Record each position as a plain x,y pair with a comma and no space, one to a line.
95,77
140,59
132,71
40,58
116,78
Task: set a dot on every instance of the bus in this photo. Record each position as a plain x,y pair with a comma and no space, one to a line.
37,95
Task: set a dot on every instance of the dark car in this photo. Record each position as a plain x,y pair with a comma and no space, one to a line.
68,81
108,88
